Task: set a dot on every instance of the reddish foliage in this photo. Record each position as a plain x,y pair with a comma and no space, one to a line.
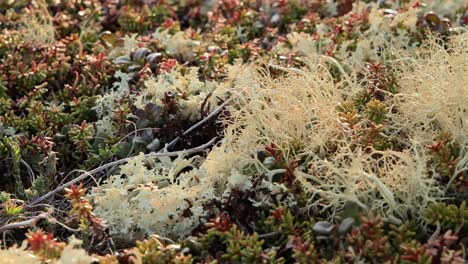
222,222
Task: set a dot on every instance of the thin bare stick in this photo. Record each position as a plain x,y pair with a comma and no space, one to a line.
268,235
138,130
198,124
30,222
463,163
116,163
30,171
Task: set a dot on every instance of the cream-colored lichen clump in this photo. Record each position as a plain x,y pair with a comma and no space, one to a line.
297,114
152,197
433,91
38,25
16,254
392,183
73,253
301,110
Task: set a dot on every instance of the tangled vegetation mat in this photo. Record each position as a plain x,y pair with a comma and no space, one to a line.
233,131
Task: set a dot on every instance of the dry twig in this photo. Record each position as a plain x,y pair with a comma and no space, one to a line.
116,163
30,222
198,124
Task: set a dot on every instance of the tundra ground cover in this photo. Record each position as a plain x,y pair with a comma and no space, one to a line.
233,131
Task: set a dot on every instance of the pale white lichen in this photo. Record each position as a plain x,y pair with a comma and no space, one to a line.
154,196
392,183
37,22
15,254
178,45
301,109
161,199
433,92
73,253
187,84
130,44
385,35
